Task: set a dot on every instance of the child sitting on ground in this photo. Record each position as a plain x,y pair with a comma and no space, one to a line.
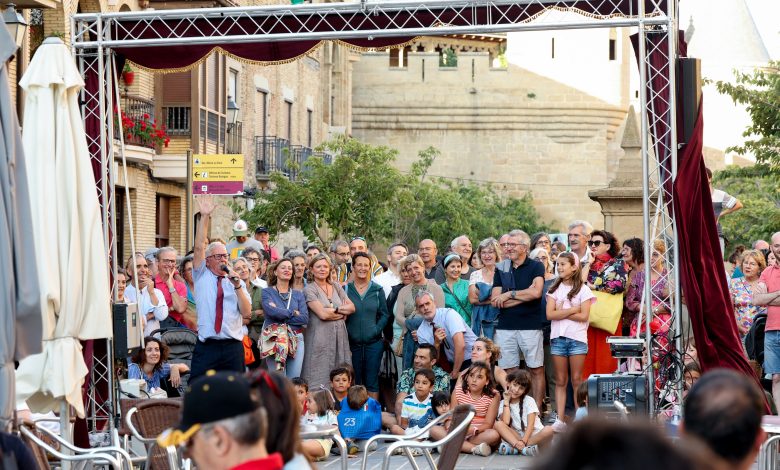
321,414
581,399
360,418
416,411
440,403
340,381
477,390
301,393
519,424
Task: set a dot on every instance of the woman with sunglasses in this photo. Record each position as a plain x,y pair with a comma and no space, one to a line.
608,273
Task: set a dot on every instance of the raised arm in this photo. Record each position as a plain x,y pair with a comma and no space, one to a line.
206,205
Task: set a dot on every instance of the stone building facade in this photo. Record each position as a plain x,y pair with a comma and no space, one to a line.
515,130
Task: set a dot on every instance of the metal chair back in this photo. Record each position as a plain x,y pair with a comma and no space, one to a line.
146,421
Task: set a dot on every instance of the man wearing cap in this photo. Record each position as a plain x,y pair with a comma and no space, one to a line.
222,301
262,236
222,427
236,246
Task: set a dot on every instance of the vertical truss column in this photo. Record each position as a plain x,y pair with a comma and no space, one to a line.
96,105
661,309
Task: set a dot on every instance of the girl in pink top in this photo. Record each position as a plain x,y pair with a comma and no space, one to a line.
568,305
478,391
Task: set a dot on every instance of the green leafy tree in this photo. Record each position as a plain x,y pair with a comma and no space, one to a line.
362,193
758,188
760,91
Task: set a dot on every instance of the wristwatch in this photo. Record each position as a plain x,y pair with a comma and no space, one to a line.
512,294
171,290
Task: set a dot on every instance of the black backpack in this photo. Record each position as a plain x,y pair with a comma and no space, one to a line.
754,340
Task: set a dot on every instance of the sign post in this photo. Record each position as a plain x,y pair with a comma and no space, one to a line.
220,174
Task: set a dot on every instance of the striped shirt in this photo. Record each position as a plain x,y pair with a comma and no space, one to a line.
481,405
418,412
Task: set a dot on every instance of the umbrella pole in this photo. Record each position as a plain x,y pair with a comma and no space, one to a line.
65,431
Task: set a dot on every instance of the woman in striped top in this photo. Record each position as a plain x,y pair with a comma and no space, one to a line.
478,391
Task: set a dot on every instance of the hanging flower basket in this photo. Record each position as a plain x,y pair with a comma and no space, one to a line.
128,75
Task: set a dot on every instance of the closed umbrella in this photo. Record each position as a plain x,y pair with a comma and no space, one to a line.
20,309
66,216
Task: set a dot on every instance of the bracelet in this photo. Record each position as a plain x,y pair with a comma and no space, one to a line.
237,288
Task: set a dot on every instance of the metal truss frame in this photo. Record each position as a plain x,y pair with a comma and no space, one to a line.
96,35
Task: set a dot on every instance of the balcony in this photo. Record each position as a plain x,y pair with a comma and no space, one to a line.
177,120
138,110
274,154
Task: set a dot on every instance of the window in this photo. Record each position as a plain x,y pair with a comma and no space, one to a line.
232,85
552,48
612,49
163,221
309,124
289,120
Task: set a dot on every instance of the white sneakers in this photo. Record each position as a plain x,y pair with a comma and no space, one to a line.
482,449
558,426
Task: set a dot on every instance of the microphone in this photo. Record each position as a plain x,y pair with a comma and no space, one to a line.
225,269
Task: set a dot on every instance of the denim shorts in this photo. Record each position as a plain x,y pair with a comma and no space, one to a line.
772,352
563,346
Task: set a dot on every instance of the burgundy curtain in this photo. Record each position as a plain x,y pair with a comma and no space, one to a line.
702,275
181,56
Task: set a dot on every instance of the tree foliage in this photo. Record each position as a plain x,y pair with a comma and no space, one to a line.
758,188
362,193
760,92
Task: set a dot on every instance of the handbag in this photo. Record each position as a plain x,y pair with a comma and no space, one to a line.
605,312
388,377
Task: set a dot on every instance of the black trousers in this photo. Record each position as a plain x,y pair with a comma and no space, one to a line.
217,354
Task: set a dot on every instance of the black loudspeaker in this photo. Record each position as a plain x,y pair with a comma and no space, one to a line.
119,314
605,389
688,96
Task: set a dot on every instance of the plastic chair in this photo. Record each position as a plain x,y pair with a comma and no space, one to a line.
43,441
449,446
146,421
330,432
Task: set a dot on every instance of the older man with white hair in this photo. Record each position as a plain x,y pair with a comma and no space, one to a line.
222,301
462,246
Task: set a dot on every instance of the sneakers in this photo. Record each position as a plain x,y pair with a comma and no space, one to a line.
530,451
352,448
552,417
506,449
483,450
558,426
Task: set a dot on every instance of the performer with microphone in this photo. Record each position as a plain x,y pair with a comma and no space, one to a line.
221,299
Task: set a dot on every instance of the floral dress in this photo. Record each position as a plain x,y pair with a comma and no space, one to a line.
742,298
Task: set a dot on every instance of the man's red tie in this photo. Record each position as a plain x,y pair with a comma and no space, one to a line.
220,298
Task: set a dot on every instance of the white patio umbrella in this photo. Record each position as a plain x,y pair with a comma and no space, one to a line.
67,227
20,309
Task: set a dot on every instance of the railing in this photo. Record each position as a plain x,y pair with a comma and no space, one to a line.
233,138
276,154
177,120
138,109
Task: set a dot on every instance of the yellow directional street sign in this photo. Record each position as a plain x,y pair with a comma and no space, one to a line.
218,174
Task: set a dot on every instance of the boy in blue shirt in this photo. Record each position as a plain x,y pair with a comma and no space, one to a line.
360,418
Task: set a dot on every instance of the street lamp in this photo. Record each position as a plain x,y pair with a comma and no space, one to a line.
232,113
15,23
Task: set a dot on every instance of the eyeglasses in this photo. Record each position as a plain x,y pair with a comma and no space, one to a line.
252,258
596,243
220,256
168,261
510,245
343,253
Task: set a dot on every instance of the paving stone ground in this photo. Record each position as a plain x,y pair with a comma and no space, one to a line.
466,462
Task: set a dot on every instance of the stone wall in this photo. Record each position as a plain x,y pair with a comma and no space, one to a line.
516,130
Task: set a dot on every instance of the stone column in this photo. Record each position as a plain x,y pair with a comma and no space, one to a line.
621,201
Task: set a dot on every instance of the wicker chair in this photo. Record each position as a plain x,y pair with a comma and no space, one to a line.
146,421
449,446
